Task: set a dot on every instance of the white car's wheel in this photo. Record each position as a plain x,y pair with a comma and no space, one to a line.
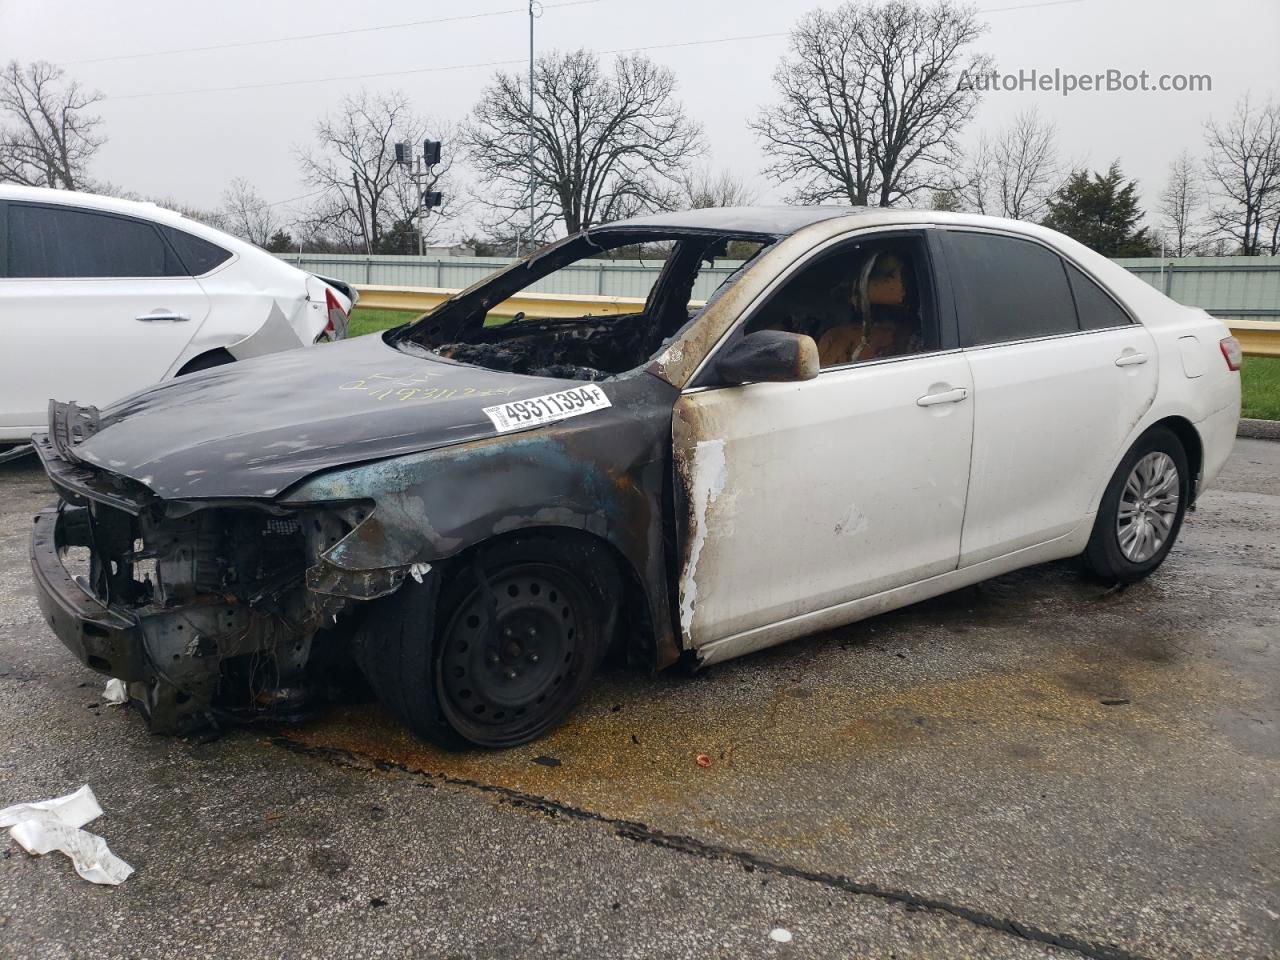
1142,510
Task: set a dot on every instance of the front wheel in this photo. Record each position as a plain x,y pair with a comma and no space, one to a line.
507,649
1141,512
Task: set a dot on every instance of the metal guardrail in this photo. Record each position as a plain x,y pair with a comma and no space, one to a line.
1258,338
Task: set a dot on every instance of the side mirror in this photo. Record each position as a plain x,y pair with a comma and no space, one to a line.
769,355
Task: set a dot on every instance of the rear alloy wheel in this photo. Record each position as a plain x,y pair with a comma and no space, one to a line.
1142,509
1148,506
516,653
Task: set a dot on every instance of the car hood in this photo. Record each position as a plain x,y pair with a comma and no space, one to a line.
254,428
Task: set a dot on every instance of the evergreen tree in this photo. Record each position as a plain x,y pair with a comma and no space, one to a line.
280,242
1101,211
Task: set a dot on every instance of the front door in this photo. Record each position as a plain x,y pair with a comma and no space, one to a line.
801,496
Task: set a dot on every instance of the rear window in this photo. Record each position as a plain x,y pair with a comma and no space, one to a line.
58,242
199,256
1096,308
1008,289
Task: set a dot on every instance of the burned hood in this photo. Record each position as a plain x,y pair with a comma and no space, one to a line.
254,428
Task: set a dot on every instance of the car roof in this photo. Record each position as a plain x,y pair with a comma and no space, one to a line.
776,221
142,209
91,201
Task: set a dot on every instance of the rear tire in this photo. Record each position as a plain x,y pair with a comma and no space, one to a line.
1141,512
506,649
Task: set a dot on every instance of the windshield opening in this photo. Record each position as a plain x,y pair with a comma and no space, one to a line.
632,292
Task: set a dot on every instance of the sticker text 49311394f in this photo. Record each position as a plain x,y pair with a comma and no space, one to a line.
550,407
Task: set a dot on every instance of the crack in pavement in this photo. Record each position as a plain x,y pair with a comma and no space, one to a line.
691,846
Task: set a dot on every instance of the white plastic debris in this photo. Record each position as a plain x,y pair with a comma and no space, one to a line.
49,825
780,935
115,693
419,570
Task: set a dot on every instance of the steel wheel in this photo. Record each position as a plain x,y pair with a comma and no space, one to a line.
1148,506
512,654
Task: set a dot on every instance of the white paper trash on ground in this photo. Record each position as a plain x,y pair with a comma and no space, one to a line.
55,825
115,693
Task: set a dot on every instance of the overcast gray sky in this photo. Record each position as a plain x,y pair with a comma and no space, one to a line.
189,145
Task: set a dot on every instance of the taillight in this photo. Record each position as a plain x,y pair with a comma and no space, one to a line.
1231,352
336,328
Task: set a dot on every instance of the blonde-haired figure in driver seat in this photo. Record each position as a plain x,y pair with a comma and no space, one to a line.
880,299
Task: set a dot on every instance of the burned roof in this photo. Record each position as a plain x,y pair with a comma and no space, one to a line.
774,221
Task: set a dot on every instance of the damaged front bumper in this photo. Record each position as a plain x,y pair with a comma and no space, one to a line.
107,639
209,612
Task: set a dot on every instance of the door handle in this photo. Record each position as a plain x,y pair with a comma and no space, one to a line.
1131,359
163,317
947,396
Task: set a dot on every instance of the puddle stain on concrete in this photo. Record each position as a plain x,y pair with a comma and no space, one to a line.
639,762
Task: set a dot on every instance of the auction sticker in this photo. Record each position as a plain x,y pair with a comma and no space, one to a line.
547,409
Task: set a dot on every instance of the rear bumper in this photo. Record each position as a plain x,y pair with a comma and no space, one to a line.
102,637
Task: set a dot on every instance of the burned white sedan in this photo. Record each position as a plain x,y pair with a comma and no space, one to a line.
878,406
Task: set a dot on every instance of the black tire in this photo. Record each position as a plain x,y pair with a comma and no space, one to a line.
500,651
1107,557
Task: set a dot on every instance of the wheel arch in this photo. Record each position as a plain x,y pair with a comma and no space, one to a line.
1189,437
215,357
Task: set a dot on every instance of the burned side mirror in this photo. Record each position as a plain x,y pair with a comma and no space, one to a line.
769,355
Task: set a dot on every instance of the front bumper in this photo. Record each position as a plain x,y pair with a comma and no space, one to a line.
102,637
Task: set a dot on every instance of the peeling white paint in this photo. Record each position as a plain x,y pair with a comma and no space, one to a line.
707,480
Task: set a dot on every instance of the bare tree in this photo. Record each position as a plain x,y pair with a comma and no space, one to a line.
1015,174
704,187
1243,170
47,137
246,214
1180,203
364,195
872,99
605,144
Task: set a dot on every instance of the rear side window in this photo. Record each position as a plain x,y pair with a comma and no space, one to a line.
199,256
1096,308
1008,289
66,242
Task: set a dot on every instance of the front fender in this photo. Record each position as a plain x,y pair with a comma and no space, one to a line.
606,476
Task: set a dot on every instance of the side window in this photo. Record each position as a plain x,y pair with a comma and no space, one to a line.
1096,308
866,300
66,242
1008,289
199,256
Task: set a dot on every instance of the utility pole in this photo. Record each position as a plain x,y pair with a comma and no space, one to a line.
532,175
355,185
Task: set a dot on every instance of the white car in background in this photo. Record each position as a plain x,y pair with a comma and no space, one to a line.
101,297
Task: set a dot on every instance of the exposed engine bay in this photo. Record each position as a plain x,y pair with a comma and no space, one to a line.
578,348
227,624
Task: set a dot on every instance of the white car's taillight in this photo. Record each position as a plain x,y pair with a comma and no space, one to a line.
1231,352
336,328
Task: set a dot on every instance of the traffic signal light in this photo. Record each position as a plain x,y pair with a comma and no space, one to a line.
431,198
431,152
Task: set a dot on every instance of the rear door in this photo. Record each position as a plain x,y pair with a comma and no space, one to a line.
92,307
1060,374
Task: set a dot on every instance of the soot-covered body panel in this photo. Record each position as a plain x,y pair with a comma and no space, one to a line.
252,429
227,555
